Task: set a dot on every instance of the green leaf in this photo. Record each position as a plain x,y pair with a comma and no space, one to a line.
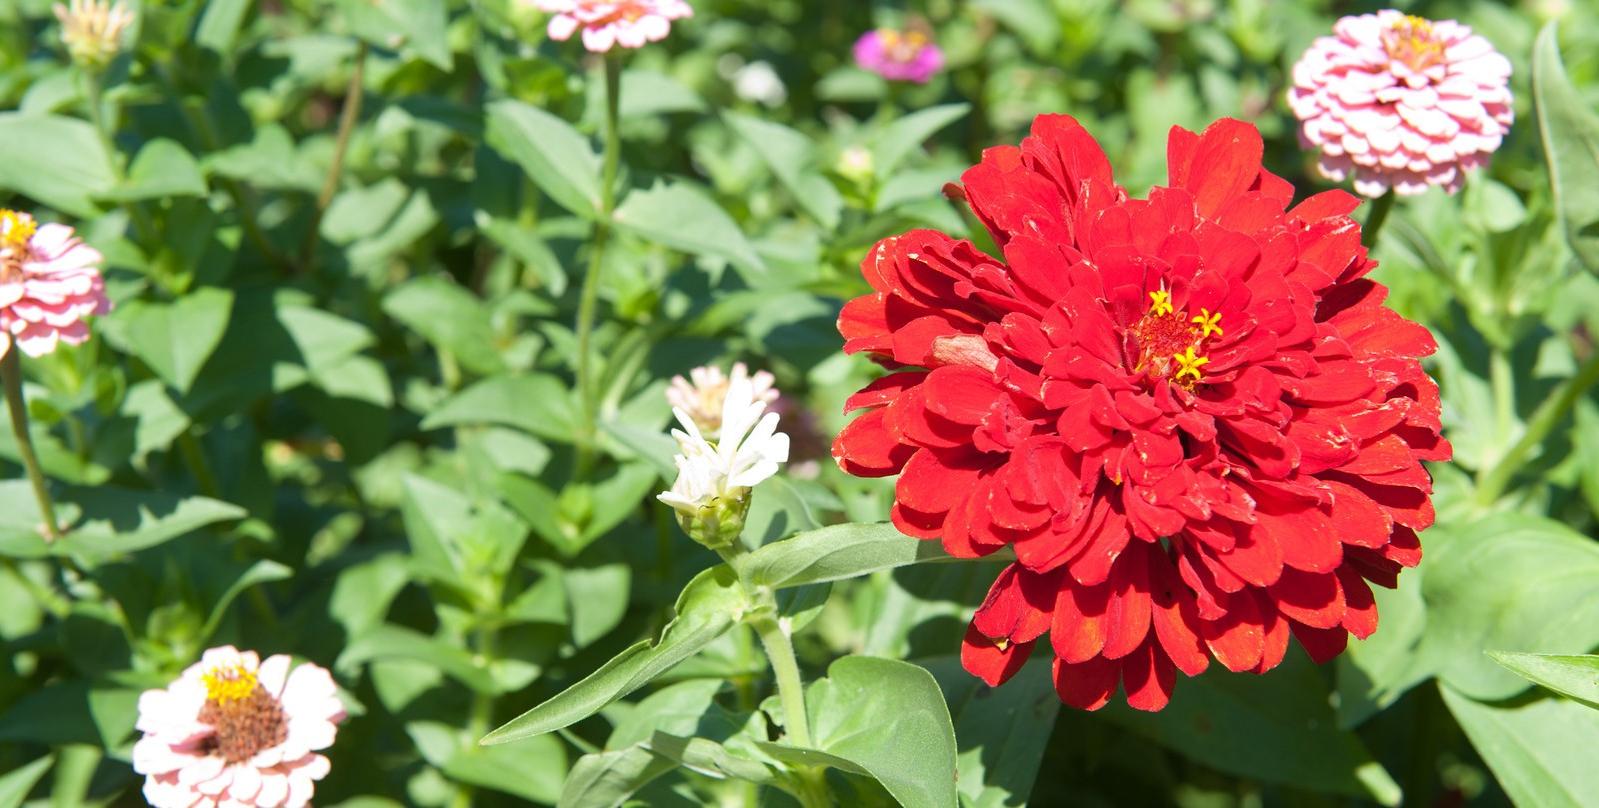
791,158
451,318
1570,131
684,217
836,553
106,522
1540,750
163,169
1001,732
15,785
897,140
885,719
1576,677
558,159
175,339
397,642
220,23
607,779
1278,728
538,404
456,539
534,771
58,161
1508,581
262,571
419,25
705,610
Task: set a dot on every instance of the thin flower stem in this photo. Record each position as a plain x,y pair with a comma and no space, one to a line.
589,297
11,377
194,457
812,791
1548,416
348,117
1380,208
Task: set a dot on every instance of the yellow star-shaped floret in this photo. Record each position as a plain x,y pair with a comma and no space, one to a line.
1160,303
1208,323
1188,364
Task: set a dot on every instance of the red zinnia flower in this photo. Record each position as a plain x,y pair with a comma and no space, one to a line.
1191,417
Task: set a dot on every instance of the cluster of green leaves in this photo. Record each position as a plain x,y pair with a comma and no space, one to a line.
349,432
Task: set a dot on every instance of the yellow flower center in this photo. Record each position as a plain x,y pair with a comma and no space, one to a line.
1411,40
227,684
1169,342
16,229
902,46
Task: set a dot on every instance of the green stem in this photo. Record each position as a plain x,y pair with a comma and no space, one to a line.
1380,208
48,599
11,377
348,117
812,791
1548,416
481,717
589,297
1502,380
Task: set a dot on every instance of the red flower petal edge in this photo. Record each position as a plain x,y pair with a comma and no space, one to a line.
1190,416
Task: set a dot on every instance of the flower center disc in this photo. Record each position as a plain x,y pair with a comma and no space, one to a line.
246,719
1412,41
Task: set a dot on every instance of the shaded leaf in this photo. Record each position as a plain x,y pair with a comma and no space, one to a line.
558,159
1540,750
34,145
538,404
678,214
105,522
1570,131
175,339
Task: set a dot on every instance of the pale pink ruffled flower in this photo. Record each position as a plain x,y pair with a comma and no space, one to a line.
1401,102
49,282
700,396
605,23
899,55
235,731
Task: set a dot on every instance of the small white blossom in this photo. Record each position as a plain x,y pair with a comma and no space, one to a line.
711,494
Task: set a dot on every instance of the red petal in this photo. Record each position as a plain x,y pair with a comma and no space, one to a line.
1127,616
1018,605
1149,678
961,393
866,449
1275,646
884,390
1237,639
1078,629
1176,618
989,660
935,482
1087,686
1323,644
1312,598
1360,608
1226,162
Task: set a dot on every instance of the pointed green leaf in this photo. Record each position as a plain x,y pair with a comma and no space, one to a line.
897,140
1570,131
791,158
558,159
15,785
1540,750
1576,677
836,553
58,161
682,216
105,522
175,339
706,609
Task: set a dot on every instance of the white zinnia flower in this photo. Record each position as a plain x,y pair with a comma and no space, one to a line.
711,494
701,395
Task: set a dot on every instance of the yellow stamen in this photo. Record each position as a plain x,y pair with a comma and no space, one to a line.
1189,364
16,229
229,683
1160,303
1208,323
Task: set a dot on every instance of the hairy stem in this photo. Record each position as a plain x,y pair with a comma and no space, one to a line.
11,377
589,297
1549,415
348,117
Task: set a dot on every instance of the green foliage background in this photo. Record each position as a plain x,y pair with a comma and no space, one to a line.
349,435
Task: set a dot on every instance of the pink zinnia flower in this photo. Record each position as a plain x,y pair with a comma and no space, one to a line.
236,731
49,281
1401,102
629,23
899,55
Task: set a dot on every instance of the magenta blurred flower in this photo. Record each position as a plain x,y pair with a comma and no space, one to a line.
629,23
236,731
1401,102
899,55
49,282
